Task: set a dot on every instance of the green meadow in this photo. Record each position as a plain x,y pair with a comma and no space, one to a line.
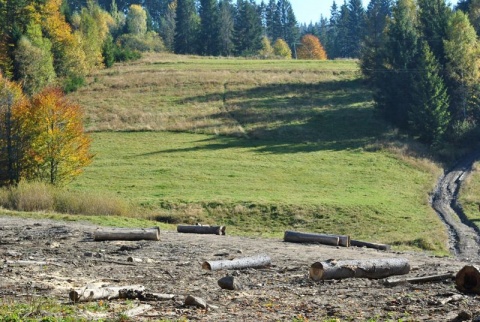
260,146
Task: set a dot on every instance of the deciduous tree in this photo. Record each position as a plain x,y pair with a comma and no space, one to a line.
59,146
281,49
311,48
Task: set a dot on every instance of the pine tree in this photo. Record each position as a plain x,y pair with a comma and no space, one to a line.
209,28
331,45
186,27
355,28
434,16
378,13
226,29
394,79
429,117
248,29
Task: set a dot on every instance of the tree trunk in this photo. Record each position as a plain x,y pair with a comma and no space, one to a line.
420,279
237,263
467,279
127,234
369,268
197,229
325,239
101,293
358,243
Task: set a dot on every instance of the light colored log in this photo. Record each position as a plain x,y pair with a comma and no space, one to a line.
369,268
102,234
136,311
358,243
325,239
101,293
238,263
467,279
418,280
199,229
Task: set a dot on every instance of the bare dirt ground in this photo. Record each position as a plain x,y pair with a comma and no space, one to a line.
281,292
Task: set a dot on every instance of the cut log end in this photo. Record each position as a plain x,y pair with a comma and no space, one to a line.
467,279
206,266
316,271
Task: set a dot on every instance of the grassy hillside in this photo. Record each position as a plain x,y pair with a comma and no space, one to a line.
261,146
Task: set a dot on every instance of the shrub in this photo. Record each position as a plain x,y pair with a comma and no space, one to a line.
34,196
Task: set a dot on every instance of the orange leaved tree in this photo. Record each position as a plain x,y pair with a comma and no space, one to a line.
59,147
311,48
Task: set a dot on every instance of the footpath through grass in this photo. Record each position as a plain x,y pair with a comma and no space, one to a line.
261,146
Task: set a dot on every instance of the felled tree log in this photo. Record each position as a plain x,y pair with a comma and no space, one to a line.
237,263
419,279
325,239
101,293
467,279
127,234
369,268
198,229
358,243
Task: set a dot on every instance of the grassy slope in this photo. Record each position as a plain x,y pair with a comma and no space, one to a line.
262,146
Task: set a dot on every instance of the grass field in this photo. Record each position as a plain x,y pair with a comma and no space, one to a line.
261,146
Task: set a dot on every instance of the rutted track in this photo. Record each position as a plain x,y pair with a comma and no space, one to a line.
464,236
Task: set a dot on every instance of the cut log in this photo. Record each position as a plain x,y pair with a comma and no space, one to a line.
229,283
325,239
467,279
101,293
420,279
238,263
358,243
127,234
198,229
370,268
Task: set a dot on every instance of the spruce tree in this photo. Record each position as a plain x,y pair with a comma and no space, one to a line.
331,46
209,28
429,116
226,29
186,27
394,79
355,28
248,29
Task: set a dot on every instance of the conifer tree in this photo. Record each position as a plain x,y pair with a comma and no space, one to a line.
209,28
429,117
355,28
226,29
186,27
248,29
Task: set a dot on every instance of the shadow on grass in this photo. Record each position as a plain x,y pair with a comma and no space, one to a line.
294,118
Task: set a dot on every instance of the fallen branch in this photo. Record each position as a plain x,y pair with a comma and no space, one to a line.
467,279
358,243
237,263
325,239
141,309
199,229
101,293
418,280
127,234
31,263
370,268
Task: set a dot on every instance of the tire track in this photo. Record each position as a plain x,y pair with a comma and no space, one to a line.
463,234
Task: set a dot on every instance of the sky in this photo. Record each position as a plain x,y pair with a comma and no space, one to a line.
307,11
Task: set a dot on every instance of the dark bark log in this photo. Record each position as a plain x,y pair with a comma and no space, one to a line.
467,279
325,239
358,243
238,263
198,229
229,283
101,293
420,279
127,234
369,268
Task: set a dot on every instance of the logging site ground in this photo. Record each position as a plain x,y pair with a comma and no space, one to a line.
259,147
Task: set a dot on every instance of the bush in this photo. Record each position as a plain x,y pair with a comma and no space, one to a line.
73,82
125,54
142,43
34,196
